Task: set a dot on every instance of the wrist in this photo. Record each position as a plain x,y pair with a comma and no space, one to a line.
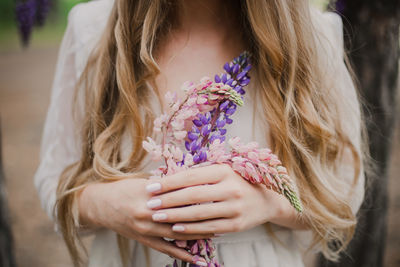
87,218
285,214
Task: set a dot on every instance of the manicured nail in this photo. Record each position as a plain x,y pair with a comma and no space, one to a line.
154,203
159,216
199,261
153,187
178,228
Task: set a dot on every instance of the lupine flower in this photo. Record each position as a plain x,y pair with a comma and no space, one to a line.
205,111
26,15
43,8
340,6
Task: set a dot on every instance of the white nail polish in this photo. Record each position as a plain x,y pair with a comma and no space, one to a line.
201,263
154,203
159,216
178,228
153,187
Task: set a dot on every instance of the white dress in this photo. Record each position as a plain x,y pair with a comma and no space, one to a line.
61,144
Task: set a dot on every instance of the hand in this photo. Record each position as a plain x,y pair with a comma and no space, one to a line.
228,202
121,207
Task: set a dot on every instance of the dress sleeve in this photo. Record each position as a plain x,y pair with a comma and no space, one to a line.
329,28
350,111
60,144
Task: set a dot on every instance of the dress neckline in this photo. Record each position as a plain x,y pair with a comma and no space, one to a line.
159,102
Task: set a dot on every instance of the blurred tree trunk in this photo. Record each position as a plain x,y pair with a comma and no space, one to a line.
372,36
6,239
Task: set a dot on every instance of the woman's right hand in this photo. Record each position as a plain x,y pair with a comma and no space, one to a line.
121,207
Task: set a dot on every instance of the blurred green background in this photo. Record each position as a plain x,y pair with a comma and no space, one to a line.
50,33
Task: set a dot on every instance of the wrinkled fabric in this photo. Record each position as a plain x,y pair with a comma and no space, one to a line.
61,144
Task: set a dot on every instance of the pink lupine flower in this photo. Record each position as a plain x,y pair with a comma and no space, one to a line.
238,164
172,167
186,113
197,123
151,147
234,142
180,135
188,87
167,152
170,97
202,99
176,153
272,171
191,101
281,170
202,247
245,148
178,124
159,122
264,154
274,161
188,160
252,172
217,153
253,156
195,248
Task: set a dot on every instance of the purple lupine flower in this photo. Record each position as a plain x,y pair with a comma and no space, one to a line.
340,6
28,14
255,165
224,105
25,15
43,8
209,127
236,74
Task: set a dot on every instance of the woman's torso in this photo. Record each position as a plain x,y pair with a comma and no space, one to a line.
254,247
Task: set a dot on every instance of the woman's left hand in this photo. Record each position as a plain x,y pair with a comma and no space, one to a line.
228,203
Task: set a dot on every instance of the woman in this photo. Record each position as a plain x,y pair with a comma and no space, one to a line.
301,103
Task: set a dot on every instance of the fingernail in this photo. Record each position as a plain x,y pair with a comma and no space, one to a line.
159,216
218,235
153,187
154,203
178,228
199,261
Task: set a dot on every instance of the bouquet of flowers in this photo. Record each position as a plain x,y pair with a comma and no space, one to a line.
206,110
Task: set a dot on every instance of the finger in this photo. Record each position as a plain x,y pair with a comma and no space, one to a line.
217,226
189,195
165,230
195,176
169,249
194,213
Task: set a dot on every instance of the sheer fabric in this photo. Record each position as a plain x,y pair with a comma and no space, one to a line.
61,143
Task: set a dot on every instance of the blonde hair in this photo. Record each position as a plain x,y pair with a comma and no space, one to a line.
301,106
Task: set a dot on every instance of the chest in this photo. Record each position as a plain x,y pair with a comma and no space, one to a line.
180,62
249,122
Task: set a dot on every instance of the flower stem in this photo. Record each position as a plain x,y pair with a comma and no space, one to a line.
212,122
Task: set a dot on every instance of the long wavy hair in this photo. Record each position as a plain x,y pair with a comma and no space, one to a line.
301,102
